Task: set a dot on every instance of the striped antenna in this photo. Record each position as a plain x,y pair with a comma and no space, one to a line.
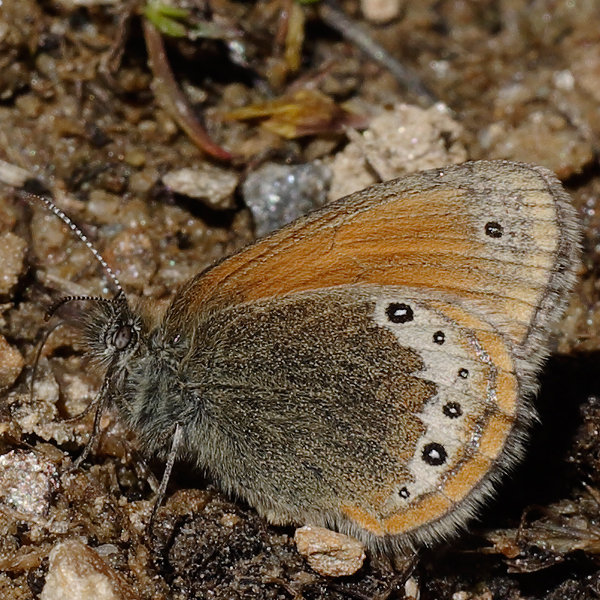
67,221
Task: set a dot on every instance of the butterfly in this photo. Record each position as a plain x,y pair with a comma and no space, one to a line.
368,367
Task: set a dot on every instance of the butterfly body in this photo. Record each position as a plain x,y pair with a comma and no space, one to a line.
366,368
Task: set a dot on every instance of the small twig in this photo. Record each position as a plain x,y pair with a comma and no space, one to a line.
338,20
172,99
111,60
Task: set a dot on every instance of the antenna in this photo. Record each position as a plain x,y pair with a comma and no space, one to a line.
67,221
119,298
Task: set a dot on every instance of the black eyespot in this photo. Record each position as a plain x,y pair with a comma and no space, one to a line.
494,229
404,493
439,337
123,337
434,454
398,312
452,410
463,373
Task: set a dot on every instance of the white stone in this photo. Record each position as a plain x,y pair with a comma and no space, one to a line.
329,553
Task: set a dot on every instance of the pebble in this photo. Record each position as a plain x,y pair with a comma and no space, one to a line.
11,364
277,194
78,571
12,257
329,553
27,482
214,186
402,140
381,11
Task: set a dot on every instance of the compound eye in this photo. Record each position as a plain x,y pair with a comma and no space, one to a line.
123,337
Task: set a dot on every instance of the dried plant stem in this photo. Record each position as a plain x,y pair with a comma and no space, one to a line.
338,20
172,99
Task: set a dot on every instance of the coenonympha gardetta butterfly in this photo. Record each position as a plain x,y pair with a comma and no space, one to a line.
365,368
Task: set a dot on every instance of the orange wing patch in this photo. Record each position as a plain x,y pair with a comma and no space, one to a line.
423,231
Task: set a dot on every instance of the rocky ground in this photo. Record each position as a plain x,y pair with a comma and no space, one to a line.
163,192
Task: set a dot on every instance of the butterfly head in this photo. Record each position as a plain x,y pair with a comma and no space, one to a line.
112,333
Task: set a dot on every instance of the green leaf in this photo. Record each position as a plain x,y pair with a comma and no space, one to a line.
163,17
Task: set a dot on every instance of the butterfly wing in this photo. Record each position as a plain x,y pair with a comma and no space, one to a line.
377,410
499,236
364,367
